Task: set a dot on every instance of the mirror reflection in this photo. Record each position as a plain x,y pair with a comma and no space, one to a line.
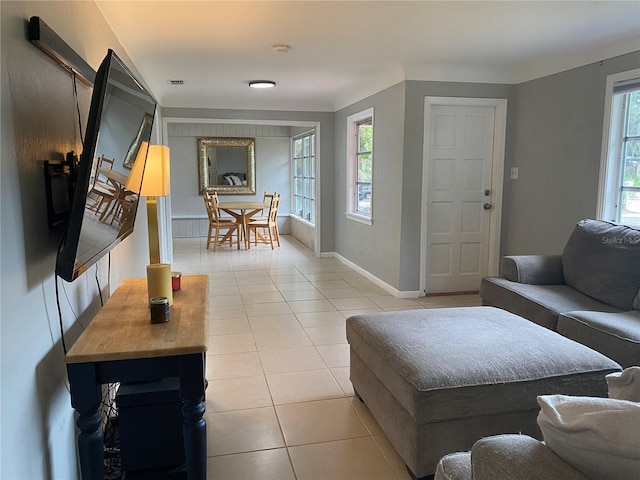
227,165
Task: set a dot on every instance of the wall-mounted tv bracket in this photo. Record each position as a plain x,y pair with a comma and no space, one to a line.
41,35
60,177
59,182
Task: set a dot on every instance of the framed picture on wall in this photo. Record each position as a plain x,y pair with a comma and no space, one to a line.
143,132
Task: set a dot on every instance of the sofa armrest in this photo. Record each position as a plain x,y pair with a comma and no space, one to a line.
518,457
455,466
533,269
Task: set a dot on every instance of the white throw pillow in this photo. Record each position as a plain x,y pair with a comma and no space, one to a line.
598,436
236,180
228,180
625,385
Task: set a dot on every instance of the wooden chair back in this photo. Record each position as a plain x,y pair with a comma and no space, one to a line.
211,204
273,208
103,163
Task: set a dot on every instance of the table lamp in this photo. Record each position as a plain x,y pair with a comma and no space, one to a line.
150,179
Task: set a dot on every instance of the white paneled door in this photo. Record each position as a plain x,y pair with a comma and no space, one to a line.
459,194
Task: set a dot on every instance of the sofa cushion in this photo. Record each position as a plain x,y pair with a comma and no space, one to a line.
540,304
616,335
598,436
602,260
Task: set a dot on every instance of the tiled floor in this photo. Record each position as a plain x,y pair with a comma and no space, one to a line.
280,404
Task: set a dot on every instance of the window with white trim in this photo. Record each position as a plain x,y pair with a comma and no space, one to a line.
621,201
360,166
304,176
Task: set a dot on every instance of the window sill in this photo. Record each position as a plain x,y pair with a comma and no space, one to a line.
359,218
302,220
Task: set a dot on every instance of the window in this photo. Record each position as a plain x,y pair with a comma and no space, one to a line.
619,198
304,177
629,198
360,166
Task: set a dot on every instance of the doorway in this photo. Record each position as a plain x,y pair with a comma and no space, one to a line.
185,215
463,166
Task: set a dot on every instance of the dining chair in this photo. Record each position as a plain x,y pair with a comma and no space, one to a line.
125,202
268,224
217,224
266,199
102,190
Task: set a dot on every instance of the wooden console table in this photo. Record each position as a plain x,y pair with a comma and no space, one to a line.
122,345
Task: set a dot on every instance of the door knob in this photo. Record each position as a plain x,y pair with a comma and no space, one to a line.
487,206
487,192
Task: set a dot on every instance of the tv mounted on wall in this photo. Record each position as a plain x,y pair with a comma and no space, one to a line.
104,206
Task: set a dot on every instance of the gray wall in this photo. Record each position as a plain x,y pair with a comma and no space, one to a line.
413,160
376,247
391,250
554,134
273,151
326,143
39,122
556,138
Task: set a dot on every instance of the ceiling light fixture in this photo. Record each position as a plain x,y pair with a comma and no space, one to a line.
262,84
281,48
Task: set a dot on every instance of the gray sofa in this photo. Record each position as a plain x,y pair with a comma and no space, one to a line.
590,293
507,457
584,439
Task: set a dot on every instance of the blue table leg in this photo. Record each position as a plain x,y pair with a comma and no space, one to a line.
192,385
85,399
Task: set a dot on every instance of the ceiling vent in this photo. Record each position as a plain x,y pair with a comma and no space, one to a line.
176,82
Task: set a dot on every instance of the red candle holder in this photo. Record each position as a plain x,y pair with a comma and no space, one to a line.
175,281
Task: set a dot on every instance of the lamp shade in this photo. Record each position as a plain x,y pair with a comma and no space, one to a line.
150,173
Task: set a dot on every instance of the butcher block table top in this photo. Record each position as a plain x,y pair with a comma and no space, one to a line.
122,329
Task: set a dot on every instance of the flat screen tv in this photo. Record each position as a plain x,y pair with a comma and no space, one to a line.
104,206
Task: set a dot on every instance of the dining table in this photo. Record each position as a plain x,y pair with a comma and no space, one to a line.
242,212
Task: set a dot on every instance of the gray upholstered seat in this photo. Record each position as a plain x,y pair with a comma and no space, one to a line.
438,380
617,335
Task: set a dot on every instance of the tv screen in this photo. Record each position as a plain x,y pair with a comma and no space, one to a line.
104,206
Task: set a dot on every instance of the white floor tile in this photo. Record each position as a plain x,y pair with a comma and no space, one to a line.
279,339
242,431
304,386
234,343
237,394
354,459
308,306
260,465
278,364
233,365
291,360
274,322
336,355
322,421
327,335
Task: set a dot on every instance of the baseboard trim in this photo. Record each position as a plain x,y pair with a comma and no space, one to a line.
369,276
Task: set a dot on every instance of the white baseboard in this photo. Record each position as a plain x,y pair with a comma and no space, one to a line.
369,276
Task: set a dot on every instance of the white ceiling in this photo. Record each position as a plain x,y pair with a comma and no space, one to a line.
344,51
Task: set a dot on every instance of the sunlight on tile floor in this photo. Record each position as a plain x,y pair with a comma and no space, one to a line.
280,405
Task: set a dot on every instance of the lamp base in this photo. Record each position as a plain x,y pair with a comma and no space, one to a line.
154,234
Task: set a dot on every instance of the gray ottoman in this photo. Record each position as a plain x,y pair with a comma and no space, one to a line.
438,380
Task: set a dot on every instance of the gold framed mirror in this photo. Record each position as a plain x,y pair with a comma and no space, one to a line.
227,165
